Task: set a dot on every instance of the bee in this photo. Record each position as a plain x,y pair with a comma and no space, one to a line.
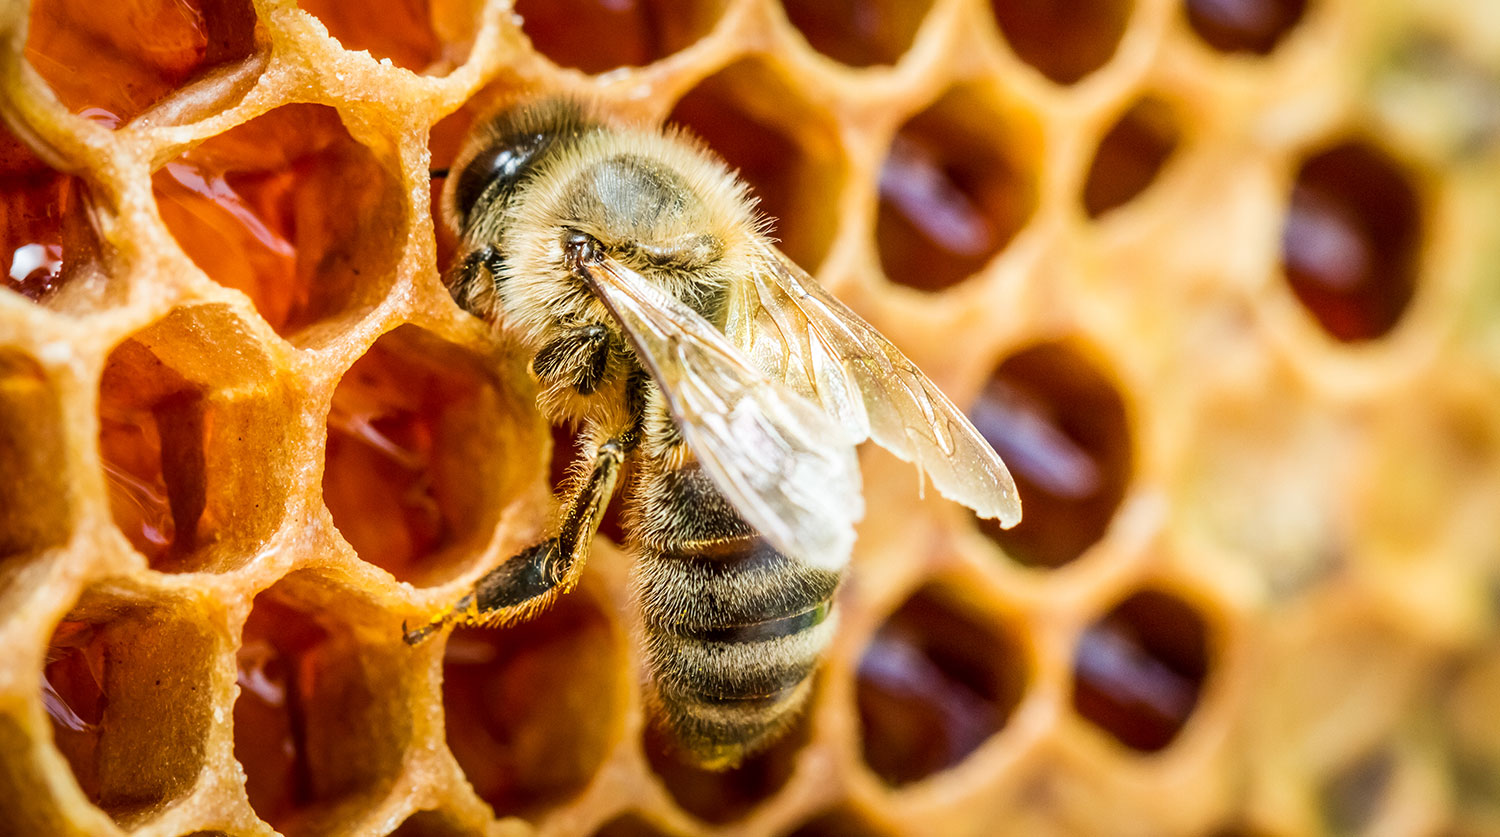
715,381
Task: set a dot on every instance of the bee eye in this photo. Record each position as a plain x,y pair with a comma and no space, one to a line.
503,163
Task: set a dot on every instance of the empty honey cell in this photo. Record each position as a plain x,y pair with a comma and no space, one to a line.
319,724
859,33
935,682
46,234
431,824
418,468
631,825
725,796
182,443
533,708
957,185
1139,670
598,35
1064,40
290,210
840,822
746,114
1060,425
424,36
1253,26
109,62
35,504
126,686
1130,156
1351,240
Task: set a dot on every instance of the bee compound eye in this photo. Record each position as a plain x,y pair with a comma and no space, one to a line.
500,166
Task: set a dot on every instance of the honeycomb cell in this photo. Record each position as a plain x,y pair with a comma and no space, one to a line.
957,185
47,236
598,35
936,681
720,797
632,825
841,822
426,449
424,36
35,512
1130,156
533,709
1139,670
126,685
1351,240
431,824
1064,40
193,441
111,61
782,145
1061,426
860,33
1253,26
323,717
291,210
1352,797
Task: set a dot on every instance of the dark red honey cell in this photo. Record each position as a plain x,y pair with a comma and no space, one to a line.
34,511
860,33
1351,240
320,718
291,210
1254,26
420,35
126,688
1138,671
954,190
841,822
935,682
598,35
1064,40
723,796
533,709
787,151
1060,426
1130,156
179,457
111,61
46,230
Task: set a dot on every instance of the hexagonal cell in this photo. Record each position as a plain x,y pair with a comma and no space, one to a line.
193,439
291,210
1064,40
842,822
783,146
1130,156
431,824
860,33
1352,797
47,236
126,686
427,448
111,61
35,508
533,709
1351,240
957,185
1139,670
1060,424
936,681
598,35
724,796
323,716
1253,26
424,36
632,825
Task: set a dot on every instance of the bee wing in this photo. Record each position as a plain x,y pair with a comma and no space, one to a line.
801,335
782,462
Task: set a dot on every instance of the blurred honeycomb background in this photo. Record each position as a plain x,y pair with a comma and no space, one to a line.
1217,277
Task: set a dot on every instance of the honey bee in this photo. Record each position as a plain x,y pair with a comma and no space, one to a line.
711,375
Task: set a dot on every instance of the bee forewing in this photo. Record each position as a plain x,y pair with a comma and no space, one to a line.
814,344
787,466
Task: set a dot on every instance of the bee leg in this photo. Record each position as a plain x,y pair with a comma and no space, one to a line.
528,582
578,359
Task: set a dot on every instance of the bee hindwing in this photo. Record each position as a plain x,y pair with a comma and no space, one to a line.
786,465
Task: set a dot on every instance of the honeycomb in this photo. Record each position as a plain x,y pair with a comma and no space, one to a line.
1217,277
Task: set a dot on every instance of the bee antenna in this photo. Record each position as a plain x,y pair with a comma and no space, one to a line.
437,173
